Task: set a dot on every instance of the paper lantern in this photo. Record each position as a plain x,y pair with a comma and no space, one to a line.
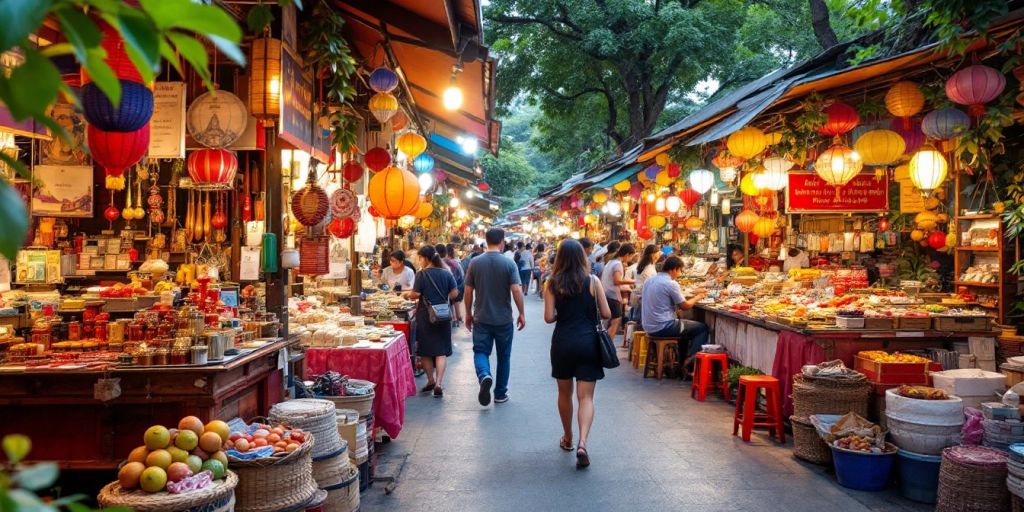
663,179
745,220
424,210
748,186
310,204
775,175
912,136
937,240
622,186
904,100
117,56
341,227
693,224
702,180
212,167
928,169
974,86
656,221
764,227
945,123
728,174
394,193
411,144
130,114
644,233
674,170
600,196
673,204
423,163
723,160
636,190
663,159
690,197
440,176
589,218
265,78
111,213
399,121
880,147
747,142
841,118
838,164
383,105
216,119
352,172
426,182
117,151
377,159
383,79
651,171
659,205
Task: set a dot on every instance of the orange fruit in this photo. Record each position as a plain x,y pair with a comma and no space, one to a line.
129,475
187,440
159,458
191,423
157,437
211,442
153,479
220,428
138,454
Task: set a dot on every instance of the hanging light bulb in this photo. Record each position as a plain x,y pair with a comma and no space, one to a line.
454,203
452,97
650,197
659,204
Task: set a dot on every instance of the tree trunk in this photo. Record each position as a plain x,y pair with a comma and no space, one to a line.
821,24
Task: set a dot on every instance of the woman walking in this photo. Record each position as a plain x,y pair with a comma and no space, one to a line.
434,286
447,254
613,279
575,301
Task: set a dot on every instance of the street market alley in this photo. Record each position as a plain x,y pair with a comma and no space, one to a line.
652,448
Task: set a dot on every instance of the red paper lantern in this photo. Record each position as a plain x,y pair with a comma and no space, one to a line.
937,240
974,86
674,170
117,151
841,119
745,220
111,213
377,159
352,172
373,211
690,197
645,233
212,166
117,58
484,187
341,227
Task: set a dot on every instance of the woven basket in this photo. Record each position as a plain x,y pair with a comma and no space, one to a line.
311,415
344,496
972,478
276,483
217,497
826,396
331,469
363,404
807,444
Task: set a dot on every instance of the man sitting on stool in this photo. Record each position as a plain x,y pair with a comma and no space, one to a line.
661,301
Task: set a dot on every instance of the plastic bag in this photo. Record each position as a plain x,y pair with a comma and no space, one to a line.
973,432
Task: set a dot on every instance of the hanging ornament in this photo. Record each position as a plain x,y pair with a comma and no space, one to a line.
131,113
927,170
945,123
377,158
352,172
394,193
841,118
837,165
937,240
674,170
747,142
663,159
748,186
117,56
383,105
690,197
701,180
775,175
117,151
216,119
111,213
745,220
728,174
880,147
663,179
975,86
764,227
622,186
343,203
310,204
693,224
913,137
636,190
423,163
212,167
411,144
904,100
383,79
399,121
341,227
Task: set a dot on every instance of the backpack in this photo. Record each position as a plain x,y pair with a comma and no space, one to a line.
517,256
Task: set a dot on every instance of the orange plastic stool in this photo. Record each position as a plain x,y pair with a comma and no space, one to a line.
703,368
746,406
661,353
638,352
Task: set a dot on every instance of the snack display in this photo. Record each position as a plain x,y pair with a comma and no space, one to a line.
922,392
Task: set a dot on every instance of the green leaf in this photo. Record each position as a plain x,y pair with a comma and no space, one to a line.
38,476
142,36
140,63
259,18
202,19
194,52
16,446
81,32
231,50
20,18
167,52
14,219
25,501
32,86
103,76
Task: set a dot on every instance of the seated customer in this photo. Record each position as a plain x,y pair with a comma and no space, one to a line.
660,302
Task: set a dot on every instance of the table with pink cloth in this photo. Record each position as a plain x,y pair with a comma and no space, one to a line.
389,367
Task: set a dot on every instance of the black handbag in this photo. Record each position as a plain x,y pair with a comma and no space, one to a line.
436,313
609,356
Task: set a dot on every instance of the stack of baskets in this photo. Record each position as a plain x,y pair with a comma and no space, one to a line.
1015,476
821,395
330,466
217,497
277,483
355,423
973,478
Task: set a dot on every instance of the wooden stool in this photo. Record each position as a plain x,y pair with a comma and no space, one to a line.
746,406
638,352
703,369
656,354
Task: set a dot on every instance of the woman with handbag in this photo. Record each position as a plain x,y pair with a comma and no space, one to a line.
434,288
575,302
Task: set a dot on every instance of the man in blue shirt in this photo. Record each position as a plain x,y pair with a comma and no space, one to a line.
660,302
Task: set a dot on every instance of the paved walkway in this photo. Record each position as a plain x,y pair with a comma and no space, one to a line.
652,448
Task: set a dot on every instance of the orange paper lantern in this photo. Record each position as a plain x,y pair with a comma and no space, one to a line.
745,220
394,193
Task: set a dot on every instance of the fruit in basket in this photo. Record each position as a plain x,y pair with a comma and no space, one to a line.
214,466
159,458
186,440
220,428
220,456
129,474
153,479
191,423
210,442
177,454
242,445
157,437
178,471
194,463
138,454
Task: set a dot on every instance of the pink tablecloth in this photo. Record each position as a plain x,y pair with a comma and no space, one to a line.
792,352
389,368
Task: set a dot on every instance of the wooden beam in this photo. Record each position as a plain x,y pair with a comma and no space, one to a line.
433,35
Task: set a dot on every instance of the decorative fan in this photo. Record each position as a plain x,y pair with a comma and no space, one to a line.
310,203
343,203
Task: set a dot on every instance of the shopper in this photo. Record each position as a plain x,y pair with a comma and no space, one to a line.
645,269
736,256
572,300
434,285
540,266
397,276
460,283
491,279
603,255
588,247
662,300
613,278
525,266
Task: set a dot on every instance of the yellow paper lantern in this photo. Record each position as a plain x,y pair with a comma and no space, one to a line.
642,178
745,220
424,210
904,99
426,223
747,142
748,186
622,186
600,196
773,138
880,147
656,221
928,169
693,224
265,78
411,144
838,164
406,221
663,159
589,218
775,175
394,192
383,105
764,227
663,179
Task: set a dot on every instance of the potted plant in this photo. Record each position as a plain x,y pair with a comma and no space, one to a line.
733,377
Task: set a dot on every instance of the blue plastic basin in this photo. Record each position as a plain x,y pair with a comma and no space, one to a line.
919,476
862,471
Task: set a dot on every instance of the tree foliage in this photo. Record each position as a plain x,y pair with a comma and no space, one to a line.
511,177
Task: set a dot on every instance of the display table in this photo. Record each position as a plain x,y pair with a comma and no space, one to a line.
388,367
67,424
402,327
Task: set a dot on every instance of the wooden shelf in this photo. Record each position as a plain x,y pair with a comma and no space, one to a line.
978,216
978,249
979,285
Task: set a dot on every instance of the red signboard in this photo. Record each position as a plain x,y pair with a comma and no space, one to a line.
808,193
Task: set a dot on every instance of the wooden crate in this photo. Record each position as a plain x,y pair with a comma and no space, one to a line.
913,323
1014,374
879,322
895,373
963,323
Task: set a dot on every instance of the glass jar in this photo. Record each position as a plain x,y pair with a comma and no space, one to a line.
180,356
41,335
161,357
115,332
100,330
136,331
74,330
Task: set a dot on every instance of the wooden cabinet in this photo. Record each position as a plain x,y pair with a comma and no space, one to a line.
982,258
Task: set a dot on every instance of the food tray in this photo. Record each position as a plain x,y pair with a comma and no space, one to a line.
914,323
963,323
895,373
850,322
121,304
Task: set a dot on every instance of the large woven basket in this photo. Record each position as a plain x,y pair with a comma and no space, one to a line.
276,483
972,478
330,469
824,396
807,444
363,404
311,415
217,497
344,495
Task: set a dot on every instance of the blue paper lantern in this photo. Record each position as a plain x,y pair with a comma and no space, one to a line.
131,114
383,80
945,123
423,163
652,172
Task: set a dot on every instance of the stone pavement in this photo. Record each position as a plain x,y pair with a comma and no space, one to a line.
652,447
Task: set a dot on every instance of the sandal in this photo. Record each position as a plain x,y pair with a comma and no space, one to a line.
438,392
582,458
429,387
564,444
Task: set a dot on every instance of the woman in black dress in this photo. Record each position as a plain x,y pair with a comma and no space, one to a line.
572,300
434,285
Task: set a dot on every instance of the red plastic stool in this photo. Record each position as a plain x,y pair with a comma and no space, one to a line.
703,368
746,406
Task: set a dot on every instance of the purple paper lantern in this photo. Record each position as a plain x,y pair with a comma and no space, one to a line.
652,172
945,123
912,135
383,79
131,114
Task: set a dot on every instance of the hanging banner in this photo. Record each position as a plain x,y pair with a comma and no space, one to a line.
808,193
911,200
167,126
296,103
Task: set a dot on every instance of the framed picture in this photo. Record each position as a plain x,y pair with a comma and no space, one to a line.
38,267
62,191
57,151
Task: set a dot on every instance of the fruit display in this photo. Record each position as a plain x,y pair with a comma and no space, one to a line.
862,444
262,440
177,460
881,356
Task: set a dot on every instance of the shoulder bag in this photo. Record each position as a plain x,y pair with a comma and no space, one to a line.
609,356
436,313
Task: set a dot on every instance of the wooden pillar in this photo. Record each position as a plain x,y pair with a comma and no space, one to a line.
277,282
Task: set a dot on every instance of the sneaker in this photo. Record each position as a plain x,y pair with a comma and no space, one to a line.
501,400
485,390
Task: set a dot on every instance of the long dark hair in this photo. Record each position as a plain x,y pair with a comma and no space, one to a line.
428,253
647,258
613,251
570,274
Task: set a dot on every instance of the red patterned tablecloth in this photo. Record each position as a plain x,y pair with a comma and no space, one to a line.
388,367
402,327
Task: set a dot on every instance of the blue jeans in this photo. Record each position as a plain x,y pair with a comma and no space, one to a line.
696,332
485,338
524,278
